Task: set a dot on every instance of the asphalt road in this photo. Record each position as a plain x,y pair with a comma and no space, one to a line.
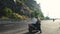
47,26
50,27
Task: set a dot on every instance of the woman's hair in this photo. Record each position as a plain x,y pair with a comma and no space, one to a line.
36,16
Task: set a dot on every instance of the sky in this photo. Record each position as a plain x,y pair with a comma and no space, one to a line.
50,8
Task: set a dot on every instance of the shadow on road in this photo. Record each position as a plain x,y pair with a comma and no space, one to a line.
29,33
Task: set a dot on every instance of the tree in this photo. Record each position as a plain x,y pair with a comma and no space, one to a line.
28,8
47,17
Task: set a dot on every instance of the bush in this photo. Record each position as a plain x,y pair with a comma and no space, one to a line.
7,12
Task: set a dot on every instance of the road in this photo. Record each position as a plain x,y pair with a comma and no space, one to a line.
50,27
47,26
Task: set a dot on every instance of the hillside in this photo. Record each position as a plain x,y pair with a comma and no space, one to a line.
19,9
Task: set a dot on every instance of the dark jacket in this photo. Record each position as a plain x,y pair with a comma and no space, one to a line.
38,22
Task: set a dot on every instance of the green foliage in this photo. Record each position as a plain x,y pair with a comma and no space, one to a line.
14,16
36,11
13,9
7,12
47,17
